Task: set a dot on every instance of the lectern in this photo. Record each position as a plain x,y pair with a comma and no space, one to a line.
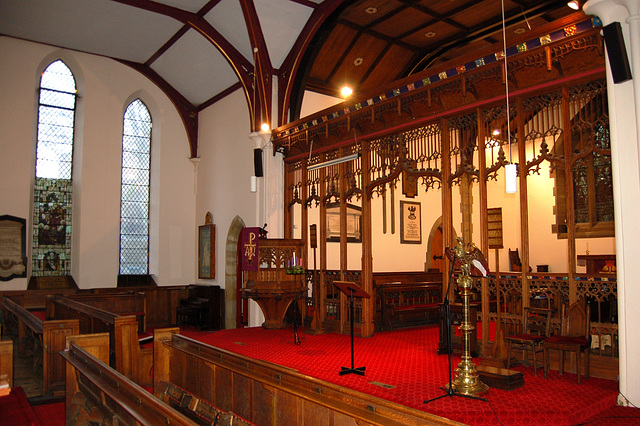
351,290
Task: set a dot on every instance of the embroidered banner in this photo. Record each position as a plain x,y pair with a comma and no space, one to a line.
249,241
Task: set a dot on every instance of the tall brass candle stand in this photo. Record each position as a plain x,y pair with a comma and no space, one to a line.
466,381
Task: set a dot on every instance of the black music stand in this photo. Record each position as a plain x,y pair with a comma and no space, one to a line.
351,289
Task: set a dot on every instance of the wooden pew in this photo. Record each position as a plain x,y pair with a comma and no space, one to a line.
404,305
47,338
385,314
268,394
127,355
127,303
98,394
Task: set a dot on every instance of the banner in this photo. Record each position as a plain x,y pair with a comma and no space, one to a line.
249,242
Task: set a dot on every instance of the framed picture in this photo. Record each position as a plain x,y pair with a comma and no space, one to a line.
410,223
13,258
206,249
353,220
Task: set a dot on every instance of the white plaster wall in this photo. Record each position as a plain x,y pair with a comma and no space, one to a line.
105,88
226,165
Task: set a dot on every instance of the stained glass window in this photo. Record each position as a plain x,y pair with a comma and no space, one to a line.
51,251
134,202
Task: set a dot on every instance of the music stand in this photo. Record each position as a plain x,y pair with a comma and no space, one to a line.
351,289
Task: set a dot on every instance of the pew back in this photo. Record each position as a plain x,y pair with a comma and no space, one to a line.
127,355
47,338
268,394
97,392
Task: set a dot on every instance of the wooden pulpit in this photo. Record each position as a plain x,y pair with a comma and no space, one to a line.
279,280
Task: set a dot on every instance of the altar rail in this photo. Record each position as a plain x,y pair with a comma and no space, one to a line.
269,394
127,355
41,339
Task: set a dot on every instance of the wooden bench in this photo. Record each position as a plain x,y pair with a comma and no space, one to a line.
98,394
44,339
404,305
127,303
127,356
266,393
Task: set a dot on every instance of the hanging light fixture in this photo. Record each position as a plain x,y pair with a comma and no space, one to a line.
510,177
574,4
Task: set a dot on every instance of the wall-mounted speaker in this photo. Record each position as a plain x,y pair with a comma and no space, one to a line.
618,60
257,162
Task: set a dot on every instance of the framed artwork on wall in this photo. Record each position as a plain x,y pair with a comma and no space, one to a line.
410,223
353,220
206,249
13,258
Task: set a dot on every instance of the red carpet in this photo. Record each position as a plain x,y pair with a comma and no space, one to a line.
402,366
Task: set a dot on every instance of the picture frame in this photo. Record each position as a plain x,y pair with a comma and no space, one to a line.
353,220
206,249
13,257
410,222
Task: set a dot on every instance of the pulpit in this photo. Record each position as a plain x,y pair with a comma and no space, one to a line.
279,280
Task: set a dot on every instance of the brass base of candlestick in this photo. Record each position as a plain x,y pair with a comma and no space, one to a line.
467,381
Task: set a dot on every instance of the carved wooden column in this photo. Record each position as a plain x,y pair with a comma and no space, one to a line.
368,305
447,203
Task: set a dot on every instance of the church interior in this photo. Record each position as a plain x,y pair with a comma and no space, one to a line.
198,225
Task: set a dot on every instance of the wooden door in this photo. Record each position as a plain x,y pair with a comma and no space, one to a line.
437,250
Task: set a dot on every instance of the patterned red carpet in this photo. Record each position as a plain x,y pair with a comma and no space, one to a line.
402,366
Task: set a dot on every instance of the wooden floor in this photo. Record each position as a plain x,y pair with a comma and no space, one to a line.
27,377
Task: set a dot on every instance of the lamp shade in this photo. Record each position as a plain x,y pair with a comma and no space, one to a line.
510,178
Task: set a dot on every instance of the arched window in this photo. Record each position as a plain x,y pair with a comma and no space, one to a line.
51,252
134,199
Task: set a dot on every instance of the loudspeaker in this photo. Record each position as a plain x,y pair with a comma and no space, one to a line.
257,162
618,60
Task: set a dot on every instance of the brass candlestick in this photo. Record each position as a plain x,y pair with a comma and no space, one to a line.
466,381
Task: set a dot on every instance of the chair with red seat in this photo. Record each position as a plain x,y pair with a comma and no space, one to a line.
535,329
574,337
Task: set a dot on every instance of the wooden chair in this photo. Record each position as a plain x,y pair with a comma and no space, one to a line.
535,329
575,337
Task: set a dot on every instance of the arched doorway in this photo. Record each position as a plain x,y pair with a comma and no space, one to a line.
435,248
231,271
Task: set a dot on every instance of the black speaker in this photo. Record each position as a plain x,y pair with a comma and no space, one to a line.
618,60
257,162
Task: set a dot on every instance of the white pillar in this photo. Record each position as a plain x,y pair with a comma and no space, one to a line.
624,122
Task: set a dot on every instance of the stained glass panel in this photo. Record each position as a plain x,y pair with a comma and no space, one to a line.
51,248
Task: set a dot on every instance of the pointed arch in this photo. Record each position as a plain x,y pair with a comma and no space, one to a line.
230,271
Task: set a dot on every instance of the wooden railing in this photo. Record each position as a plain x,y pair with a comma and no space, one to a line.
127,355
43,339
269,394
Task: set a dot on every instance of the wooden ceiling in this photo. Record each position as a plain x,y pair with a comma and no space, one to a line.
368,43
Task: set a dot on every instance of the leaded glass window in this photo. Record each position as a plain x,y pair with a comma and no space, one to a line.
134,202
51,251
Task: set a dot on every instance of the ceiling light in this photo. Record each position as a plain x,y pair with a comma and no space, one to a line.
574,4
371,10
358,61
430,34
264,127
520,30
346,91
334,161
